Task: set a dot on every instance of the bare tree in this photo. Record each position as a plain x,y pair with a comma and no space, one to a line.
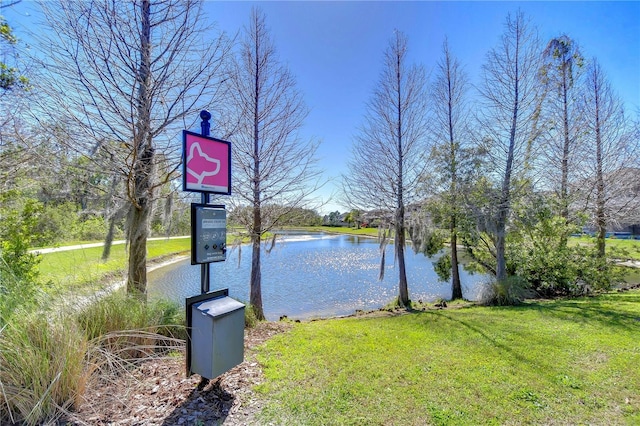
274,168
561,74
507,118
126,76
450,133
387,158
611,189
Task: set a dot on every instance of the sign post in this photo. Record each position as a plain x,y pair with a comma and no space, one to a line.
216,334
207,169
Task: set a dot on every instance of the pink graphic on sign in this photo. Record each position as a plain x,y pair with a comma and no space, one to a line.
207,164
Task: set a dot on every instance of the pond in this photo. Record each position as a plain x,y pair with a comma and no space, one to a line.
315,275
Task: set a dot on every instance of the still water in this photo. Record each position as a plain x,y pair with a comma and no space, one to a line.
311,276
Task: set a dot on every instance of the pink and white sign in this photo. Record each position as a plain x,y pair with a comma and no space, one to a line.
207,164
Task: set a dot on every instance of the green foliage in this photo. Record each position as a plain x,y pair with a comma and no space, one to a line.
92,228
56,223
301,217
333,219
279,214
18,268
433,243
64,222
425,237
538,253
509,292
6,32
16,233
443,267
9,76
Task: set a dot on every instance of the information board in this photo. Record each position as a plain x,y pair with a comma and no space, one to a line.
207,164
208,234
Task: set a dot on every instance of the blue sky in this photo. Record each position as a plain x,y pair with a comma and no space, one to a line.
335,49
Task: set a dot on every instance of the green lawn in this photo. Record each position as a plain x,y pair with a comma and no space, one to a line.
341,230
552,362
625,249
84,266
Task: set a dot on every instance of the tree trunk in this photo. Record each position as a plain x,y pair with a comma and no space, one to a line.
143,166
255,297
601,222
108,240
403,286
564,184
456,287
403,290
138,234
564,197
504,206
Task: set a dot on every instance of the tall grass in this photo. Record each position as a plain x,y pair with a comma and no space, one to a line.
119,311
47,359
42,368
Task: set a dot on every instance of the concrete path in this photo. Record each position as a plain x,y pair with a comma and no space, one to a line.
89,245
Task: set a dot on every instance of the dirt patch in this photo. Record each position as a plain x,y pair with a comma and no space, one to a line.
159,393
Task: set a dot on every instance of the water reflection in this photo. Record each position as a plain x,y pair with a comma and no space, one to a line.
319,275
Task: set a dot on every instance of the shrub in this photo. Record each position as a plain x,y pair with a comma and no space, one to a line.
511,291
538,253
19,285
55,224
90,229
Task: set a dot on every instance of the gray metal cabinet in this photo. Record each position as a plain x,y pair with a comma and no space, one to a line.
217,336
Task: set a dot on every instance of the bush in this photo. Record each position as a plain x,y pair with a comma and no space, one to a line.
510,291
538,253
55,224
19,285
91,228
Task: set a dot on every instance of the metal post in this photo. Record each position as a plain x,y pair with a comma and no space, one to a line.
205,279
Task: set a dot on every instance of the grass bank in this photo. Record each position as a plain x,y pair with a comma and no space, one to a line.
340,230
623,249
82,267
552,362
